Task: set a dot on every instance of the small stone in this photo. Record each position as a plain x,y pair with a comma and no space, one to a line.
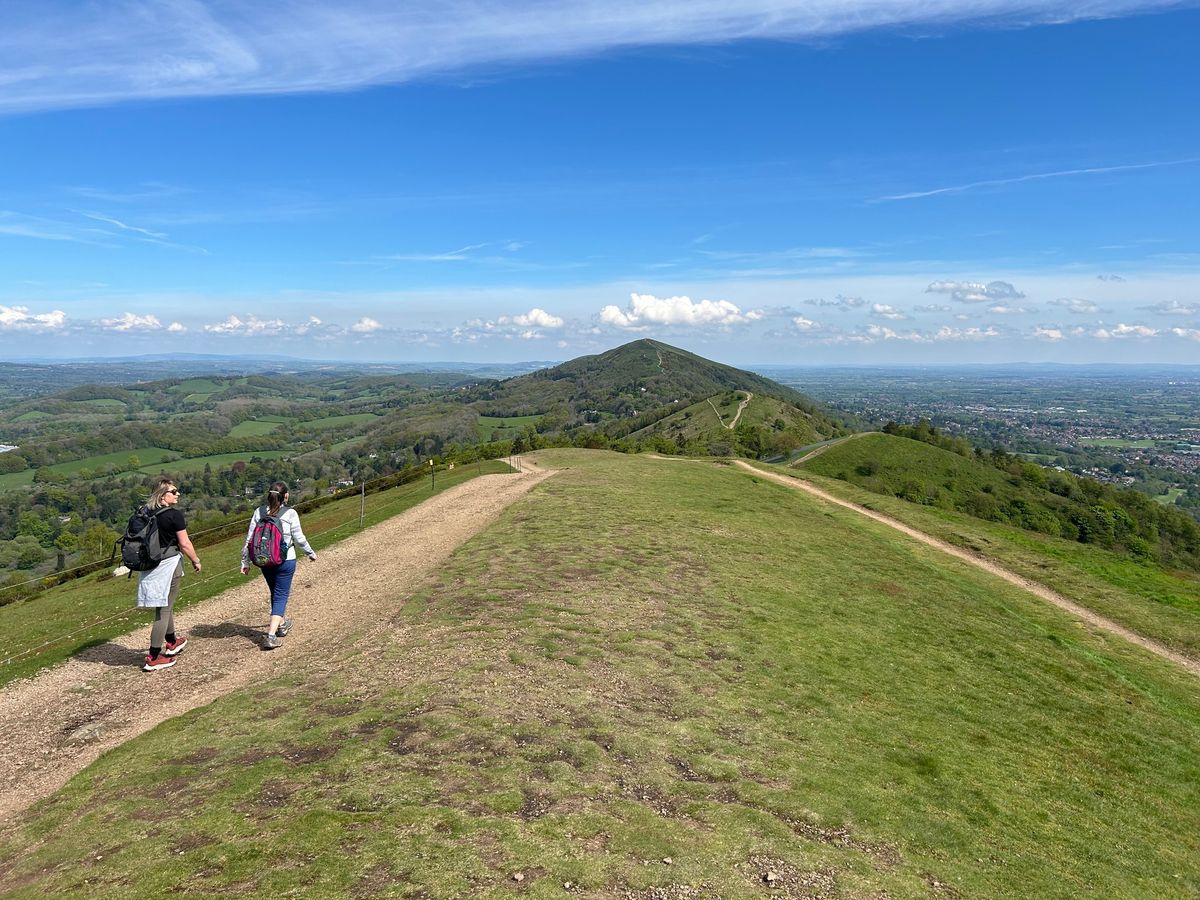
518,876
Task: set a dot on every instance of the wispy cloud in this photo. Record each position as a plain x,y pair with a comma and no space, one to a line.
218,47
1037,176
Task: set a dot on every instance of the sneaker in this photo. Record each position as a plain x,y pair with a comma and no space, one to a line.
284,627
174,649
271,642
154,663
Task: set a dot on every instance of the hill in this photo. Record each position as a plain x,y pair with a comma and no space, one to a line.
659,679
630,388
1007,489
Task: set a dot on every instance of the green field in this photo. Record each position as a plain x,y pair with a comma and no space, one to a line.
149,457
197,386
338,422
252,427
658,679
217,461
1117,442
506,426
1169,498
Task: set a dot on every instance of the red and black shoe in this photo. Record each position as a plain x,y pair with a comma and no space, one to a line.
154,663
174,649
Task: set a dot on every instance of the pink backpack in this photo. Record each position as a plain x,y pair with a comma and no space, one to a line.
267,547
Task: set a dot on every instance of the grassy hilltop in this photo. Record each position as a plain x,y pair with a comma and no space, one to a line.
669,679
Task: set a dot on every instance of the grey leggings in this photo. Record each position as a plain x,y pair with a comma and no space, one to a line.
164,616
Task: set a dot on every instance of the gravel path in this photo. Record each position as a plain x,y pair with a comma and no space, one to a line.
54,724
1040,590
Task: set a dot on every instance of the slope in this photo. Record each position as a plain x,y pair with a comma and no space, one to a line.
663,679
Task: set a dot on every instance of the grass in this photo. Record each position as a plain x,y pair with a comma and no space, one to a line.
252,427
507,426
338,421
216,460
74,605
1169,498
649,660
1160,604
198,386
104,404
1127,443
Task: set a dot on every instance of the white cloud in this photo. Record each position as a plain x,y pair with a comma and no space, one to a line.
1125,331
19,318
949,333
884,311
252,325
883,333
131,322
645,310
839,302
1173,308
975,291
1045,333
225,48
535,317
803,324
364,325
1077,305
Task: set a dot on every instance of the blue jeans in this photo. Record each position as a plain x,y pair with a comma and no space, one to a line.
279,580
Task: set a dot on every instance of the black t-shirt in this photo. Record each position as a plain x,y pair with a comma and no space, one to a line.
170,523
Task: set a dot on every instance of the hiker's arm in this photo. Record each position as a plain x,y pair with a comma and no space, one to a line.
246,545
185,545
298,538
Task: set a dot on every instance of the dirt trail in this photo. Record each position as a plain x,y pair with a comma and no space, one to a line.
54,724
1040,590
741,407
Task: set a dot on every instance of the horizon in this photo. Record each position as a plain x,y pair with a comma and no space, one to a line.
838,183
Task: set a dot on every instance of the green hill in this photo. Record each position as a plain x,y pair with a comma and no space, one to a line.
629,389
663,679
1015,492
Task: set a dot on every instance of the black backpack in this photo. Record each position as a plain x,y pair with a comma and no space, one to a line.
141,547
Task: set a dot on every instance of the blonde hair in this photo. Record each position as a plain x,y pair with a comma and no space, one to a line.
160,490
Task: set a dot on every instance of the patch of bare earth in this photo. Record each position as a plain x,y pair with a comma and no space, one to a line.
1040,590
54,724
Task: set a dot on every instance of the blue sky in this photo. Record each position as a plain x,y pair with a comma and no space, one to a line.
895,181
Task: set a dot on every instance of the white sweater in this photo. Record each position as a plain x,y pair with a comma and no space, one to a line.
293,535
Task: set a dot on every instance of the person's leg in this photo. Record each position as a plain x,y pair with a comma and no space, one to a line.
279,579
164,616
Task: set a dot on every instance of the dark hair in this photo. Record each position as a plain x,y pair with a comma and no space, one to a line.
275,497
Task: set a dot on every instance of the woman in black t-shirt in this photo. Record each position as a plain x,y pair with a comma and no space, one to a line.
158,588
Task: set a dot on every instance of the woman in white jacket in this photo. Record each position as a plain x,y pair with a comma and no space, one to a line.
279,578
